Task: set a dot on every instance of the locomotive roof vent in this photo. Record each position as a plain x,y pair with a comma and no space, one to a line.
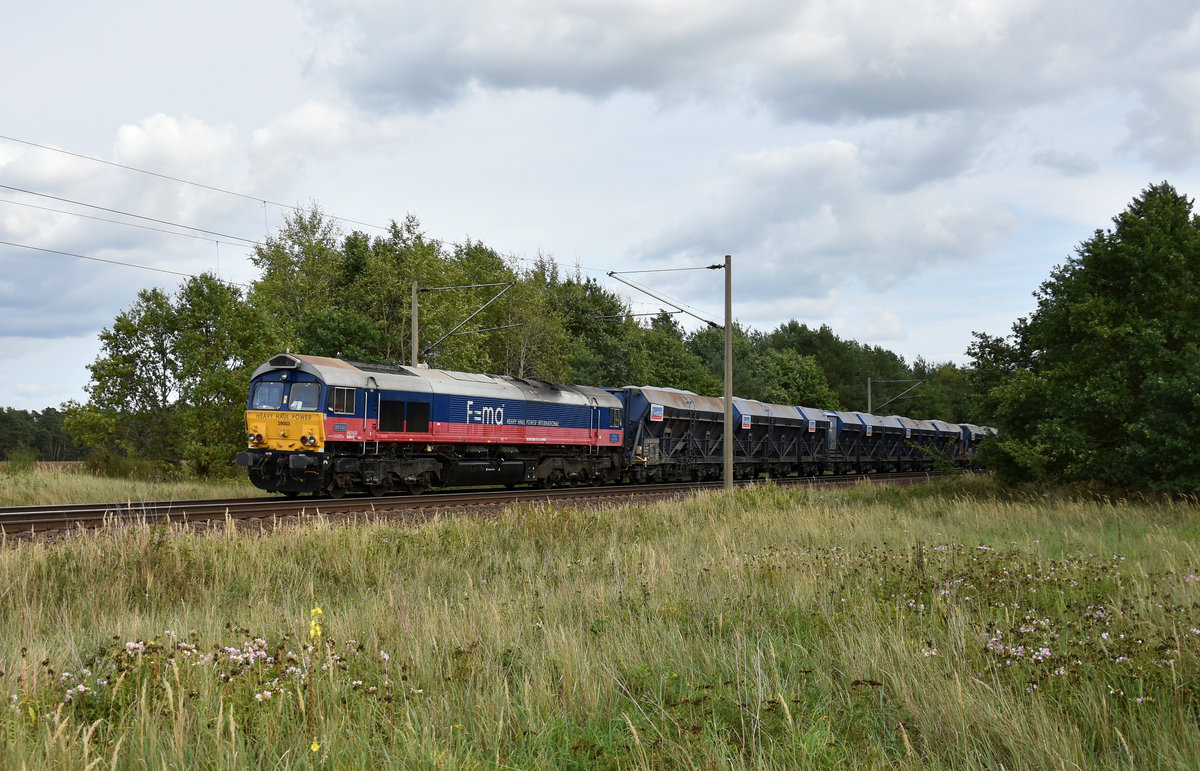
284,360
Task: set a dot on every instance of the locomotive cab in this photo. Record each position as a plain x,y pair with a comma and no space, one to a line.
285,428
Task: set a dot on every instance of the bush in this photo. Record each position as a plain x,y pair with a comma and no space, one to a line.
21,461
107,463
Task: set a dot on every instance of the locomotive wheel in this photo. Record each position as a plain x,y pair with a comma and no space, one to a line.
416,488
335,490
377,491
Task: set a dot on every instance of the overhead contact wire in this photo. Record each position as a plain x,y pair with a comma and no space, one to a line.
129,214
111,262
178,179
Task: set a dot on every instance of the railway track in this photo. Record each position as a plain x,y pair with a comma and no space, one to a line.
27,520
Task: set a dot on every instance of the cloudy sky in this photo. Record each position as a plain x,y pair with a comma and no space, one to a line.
906,172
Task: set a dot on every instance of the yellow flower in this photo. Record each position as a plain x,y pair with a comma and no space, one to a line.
315,746
314,626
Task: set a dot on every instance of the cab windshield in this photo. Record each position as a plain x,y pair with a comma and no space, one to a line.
304,396
268,396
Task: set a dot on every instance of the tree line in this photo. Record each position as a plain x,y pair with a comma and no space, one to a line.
170,382
39,435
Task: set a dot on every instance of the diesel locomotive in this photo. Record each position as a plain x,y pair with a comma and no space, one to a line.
327,426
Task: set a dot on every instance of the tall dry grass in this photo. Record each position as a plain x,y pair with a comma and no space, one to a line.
952,626
63,484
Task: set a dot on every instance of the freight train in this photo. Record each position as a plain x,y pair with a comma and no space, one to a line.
327,426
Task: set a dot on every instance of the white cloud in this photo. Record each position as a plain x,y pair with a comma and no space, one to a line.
878,325
173,145
809,220
1072,164
23,167
310,127
311,130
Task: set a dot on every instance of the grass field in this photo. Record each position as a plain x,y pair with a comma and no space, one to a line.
939,626
69,483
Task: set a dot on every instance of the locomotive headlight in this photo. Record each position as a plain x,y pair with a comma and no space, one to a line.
312,440
250,437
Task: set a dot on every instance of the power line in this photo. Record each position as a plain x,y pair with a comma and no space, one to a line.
180,180
563,266
615,274
667,270
114,262
129,214
103,219
623,316
664,299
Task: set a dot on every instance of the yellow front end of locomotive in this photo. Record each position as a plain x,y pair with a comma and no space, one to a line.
293,431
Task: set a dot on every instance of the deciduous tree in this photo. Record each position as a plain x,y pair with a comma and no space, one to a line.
1102,381
171,380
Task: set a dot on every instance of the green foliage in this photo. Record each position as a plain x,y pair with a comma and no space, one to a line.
21,461
947,393
135,383
749,376
793,378
537,347
103,462
41,433
814,367
302,267
847,364
604,342
171,379
1102,380
221,340
667,361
